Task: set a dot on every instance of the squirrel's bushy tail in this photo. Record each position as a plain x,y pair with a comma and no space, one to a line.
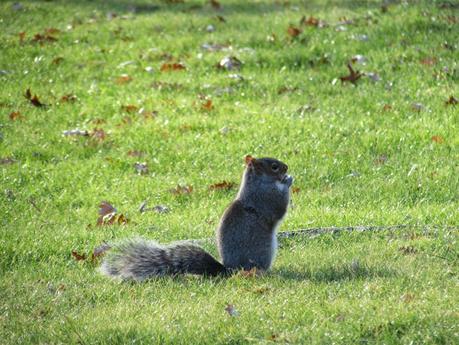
140,259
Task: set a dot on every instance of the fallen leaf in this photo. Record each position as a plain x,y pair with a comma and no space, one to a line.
438,139
224,185
387,107
130,108
215,4
75,132
286,89
123,79
311,21
52,31
69,98
100,251
231,310
147,114
180,189
175,66
221,19
141,168
293,31
360,59
57,60
41,38
22,35
230,63
108,215
77,256
352,77
451,101
295,190
33,99
16,115
252,273
207,105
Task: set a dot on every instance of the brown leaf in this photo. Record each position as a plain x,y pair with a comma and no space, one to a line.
77,256
22,35
175,66
352,77
179,190
108,215
122,220
224,185
451,101
438,139
41,38
33,99
130,108
69,98
105,208
57,60
296,190
387,107
311,21
293,31
231,310
207,105
252,273
100,251
215,4
52,31
16,115
123,79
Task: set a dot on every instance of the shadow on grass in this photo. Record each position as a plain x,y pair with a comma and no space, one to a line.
353,271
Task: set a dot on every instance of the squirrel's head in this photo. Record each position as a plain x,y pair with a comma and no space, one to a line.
269,169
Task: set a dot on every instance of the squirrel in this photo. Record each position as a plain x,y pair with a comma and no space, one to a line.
246,235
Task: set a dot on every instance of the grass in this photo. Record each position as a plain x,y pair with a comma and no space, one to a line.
378,153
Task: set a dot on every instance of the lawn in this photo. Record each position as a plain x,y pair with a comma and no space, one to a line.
131,102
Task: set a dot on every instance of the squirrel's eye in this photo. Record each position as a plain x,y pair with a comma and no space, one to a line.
275,167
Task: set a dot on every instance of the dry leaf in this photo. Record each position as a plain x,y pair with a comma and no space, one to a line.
130,108
224,185
175,66
179,190
57,60
295,190
352,77
451,101
293,31
108,215
22,35
158,208
33,99
231,310
69,98
41,38
215,4
16,115
100,251
207,105
438,139
311,21
123,79
77,256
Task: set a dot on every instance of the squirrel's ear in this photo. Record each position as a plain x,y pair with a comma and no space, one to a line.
249,159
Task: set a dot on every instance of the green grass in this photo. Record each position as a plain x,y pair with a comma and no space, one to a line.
360,155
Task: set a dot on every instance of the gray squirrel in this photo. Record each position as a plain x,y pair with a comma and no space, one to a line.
246,235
